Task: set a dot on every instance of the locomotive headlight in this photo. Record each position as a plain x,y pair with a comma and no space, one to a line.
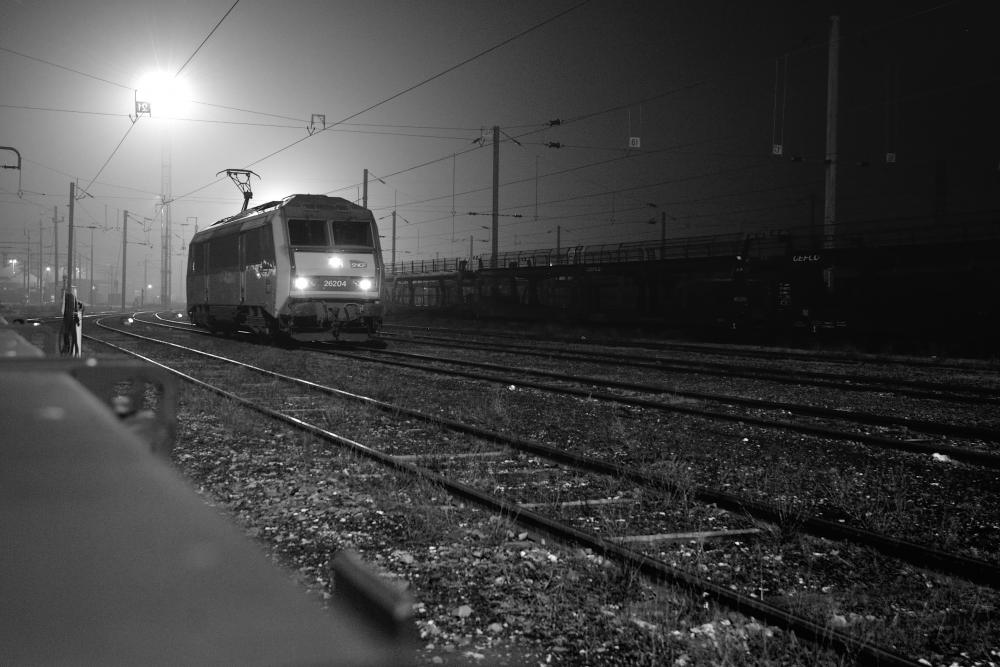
336,262
365,284
300,283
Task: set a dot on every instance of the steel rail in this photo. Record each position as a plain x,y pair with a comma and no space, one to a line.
970,569
922,425
964,454
877,383
862,651
726,350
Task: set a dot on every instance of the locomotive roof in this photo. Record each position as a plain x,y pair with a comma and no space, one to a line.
300,200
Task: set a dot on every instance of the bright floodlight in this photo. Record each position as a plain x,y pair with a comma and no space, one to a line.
167,95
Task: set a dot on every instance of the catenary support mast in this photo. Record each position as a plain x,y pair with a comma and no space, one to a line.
830,204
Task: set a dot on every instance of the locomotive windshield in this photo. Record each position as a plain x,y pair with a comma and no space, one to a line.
316,232
307,232
352,232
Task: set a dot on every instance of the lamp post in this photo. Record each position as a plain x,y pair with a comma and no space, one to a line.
12,262
164,94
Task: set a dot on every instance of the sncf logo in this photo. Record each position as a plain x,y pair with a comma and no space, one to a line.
355,264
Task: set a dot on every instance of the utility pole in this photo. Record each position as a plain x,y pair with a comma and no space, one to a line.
124,250
167,188
26,281
69,242
832,84
41,264
90,297
536,188
393,240
496,195
364,195
55,254
663,235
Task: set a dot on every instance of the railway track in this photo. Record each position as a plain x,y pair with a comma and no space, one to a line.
956,392
466,467
711,349
584,386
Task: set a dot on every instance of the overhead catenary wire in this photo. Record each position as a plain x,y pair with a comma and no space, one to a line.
110,157
349,130
642,206
65,68
207,37
597,226
782,107
411,88
716,80
560,172
542,127
136,119
425,163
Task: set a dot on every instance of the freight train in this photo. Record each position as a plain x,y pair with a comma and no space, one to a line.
308,267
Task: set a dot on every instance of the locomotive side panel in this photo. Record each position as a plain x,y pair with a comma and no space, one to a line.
196,278
224,270
217,281
259,266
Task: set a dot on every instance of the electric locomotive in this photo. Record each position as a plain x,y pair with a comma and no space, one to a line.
307,268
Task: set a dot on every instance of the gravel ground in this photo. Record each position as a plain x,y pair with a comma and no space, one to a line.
488,592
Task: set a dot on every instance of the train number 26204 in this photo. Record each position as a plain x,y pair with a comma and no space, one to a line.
334,283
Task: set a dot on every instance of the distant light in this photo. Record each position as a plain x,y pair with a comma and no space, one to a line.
163,94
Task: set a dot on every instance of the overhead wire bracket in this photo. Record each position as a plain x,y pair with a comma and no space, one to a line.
13,166
141,107
317,123
81,193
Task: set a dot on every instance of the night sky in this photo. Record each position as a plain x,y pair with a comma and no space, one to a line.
706,87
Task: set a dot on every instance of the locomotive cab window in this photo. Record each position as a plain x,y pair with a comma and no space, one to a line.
307,232
352,232
258,247
223,253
